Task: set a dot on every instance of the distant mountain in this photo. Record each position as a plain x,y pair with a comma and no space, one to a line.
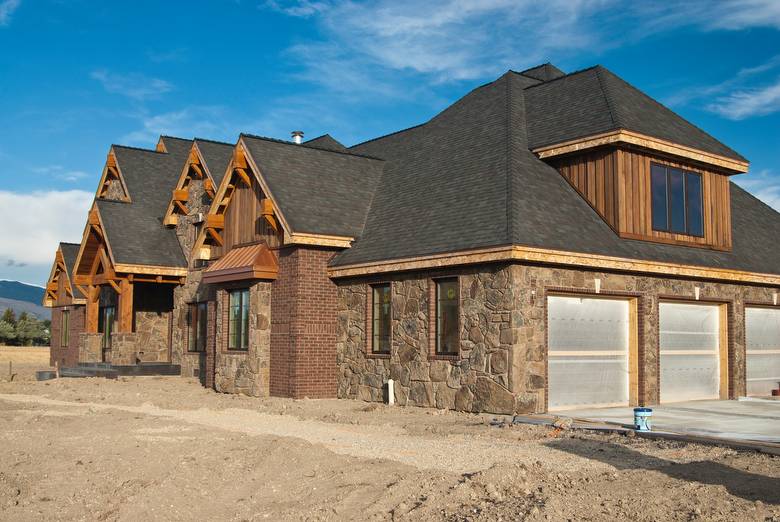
24,306
21,297
21,291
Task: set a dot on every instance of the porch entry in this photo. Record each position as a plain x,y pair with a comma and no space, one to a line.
762,331
106,318
693,351
591,352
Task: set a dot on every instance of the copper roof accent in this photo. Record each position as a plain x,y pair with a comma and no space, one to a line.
247,262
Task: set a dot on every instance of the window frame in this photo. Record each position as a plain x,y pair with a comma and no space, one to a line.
105,342
436,348
669,229
65,329
198,311
372,319
244,301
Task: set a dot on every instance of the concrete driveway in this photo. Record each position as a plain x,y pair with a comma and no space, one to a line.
745,419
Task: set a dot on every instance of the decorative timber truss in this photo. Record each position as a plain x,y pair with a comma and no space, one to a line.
95,268
195,168
239,174
59,289
112,184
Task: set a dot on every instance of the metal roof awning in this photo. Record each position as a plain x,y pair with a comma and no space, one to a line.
242,263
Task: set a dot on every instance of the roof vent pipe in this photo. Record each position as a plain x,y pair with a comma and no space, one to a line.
297,137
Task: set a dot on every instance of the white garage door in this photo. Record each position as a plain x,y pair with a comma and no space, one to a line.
762,328
690,352
588,343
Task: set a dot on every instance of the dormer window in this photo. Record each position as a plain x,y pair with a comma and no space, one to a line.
677,201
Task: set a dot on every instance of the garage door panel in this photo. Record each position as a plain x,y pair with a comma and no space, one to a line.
689,351
588,343
762,330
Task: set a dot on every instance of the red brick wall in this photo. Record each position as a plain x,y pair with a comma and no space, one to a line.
303,325
66,356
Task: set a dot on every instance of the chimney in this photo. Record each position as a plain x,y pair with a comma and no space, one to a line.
297,136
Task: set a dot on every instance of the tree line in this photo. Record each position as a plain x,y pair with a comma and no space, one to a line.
24,330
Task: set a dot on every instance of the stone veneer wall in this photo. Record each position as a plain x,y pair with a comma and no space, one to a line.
502,365
478,379
66,356
245,372
90,350
192,363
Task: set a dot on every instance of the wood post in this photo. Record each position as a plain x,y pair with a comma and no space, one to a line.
126,306
93,308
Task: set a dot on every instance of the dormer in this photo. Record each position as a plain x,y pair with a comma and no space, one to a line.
112,185
650,174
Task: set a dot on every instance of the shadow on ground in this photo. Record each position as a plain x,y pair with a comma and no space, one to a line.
750,486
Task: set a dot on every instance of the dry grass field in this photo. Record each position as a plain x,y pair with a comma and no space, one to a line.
24,361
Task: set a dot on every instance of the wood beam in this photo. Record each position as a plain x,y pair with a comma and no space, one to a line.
93,309
114,285
181,207
215,236
197,170
243,175
126,306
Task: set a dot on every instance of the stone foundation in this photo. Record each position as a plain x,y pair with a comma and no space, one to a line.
502,363
245,372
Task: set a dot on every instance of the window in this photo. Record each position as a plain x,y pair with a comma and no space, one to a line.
676,200
238,329
198,321
447,312
65,329
380,317
106,324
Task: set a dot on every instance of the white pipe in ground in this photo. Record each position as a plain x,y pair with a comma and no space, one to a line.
390,392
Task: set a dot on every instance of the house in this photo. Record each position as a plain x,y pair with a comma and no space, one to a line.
549,241
67,304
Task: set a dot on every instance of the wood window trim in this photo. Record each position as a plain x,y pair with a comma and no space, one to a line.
192,323
433,321
685,173
226,326
369,344
64,328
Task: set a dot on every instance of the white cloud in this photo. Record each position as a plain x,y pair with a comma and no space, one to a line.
301,8
764,185
745,103
135,86
61,173
35,222
7,8
193,121
740,14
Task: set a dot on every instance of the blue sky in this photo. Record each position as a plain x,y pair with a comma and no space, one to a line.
77,76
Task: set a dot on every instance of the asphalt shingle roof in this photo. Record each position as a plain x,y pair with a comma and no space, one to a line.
594,101
134,230
70,252
318,191
216,155
326,141
468,179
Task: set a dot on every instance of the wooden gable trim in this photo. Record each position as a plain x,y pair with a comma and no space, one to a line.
112,171
556,257
178,203
291,237
94,225
641,140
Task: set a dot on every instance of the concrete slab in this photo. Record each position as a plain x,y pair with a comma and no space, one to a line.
739,420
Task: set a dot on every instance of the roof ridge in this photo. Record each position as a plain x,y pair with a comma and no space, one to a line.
69,243
214,141
664,107
607,99
566,75
292,143
129,147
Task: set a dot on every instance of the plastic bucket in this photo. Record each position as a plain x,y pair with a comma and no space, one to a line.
642,418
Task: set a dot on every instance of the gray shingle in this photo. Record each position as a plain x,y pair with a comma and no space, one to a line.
217,155
134,230
467,179
319,191
70,252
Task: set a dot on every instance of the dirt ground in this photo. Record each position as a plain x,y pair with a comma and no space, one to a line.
164,448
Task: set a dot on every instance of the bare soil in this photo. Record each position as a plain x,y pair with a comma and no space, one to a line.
164,448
